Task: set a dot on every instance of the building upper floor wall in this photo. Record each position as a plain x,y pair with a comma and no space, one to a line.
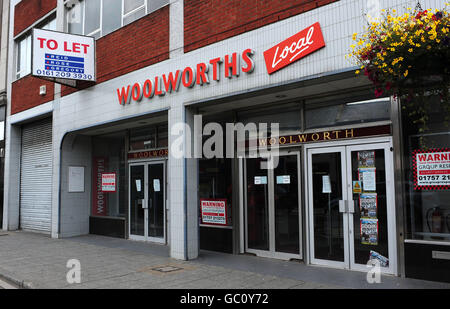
141,49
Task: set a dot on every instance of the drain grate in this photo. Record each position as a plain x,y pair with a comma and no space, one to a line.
167,269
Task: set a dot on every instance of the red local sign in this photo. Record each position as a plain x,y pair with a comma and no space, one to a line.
295,48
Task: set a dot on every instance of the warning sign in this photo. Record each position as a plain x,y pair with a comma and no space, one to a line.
214,211
431,169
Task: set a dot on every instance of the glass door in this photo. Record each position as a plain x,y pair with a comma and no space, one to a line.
351,206
372,214
147,202
137,212
273,207
327,187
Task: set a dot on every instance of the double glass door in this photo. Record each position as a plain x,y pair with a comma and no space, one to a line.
351,206
272,209
147,201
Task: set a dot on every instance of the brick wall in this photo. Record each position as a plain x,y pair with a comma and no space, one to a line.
26,12
139,44
25,93
210,21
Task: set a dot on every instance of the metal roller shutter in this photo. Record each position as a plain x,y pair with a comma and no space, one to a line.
36,177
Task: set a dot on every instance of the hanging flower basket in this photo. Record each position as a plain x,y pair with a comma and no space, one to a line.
407,56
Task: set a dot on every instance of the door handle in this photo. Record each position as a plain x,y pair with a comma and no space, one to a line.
342,206
351,207
347,206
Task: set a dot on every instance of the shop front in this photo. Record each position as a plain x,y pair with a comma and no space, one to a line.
120,171
330,198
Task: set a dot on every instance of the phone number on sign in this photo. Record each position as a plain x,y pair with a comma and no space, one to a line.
64,75
435,178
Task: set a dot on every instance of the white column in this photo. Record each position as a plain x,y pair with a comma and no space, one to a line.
182,186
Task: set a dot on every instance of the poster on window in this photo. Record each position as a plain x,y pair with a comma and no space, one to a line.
368,178
369,231
368,205
213,211
431,169
109,182
366,159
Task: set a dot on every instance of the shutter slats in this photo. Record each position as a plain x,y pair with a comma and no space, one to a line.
36,177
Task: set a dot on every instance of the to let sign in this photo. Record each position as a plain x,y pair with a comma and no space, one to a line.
294,48
58,55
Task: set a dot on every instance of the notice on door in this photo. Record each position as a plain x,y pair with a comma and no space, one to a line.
369,231
109,182
326,184
431,169
260,180
214,211
368,178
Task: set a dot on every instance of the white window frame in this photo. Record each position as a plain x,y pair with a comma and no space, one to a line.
125,15
100,29
29,46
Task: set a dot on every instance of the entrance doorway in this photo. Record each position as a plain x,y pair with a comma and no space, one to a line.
147,201
272,207
351,206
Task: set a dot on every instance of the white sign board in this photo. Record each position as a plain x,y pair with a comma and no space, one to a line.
58,55
76,179
109,182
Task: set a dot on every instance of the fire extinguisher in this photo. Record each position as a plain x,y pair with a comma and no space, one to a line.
434,221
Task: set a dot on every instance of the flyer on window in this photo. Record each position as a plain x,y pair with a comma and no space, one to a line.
369,231
368,178
368,205
366,159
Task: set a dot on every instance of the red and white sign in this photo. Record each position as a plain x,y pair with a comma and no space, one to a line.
109,182
431,169
214,211
59,55
294,48
99,198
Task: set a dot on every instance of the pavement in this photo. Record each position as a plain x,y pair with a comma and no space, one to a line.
29,260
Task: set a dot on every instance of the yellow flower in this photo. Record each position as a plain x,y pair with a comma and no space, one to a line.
357,72
410,50
406,73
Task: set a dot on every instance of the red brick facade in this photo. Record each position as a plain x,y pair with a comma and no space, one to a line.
210,21
26,12
139,44
25,93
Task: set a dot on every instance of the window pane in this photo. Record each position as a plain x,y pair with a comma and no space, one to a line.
143,139
19,57
130,5
28,56
153,5
111,16
134,16
349,113
75,18
51,25
92,16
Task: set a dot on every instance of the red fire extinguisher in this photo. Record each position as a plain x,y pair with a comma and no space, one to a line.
434,221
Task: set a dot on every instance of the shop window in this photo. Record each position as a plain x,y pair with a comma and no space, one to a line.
108,157
215,206
23,50
98,18
331,115
149,138
427,177
288,117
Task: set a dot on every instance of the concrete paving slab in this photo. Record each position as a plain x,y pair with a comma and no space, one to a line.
40,262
